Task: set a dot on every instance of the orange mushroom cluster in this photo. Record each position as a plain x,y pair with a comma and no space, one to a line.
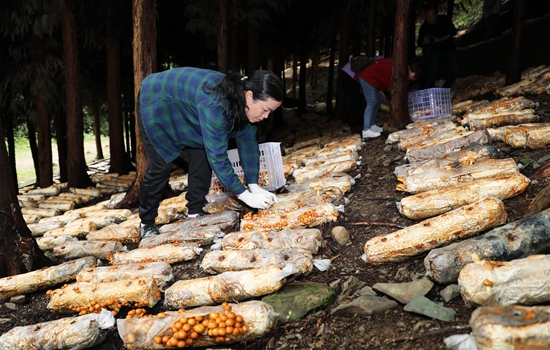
222,326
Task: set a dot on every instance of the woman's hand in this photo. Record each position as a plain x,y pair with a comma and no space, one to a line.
254,188
257,200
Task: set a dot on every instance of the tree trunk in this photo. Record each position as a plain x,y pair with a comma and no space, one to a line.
223,53
330,80
278,68
119,158
388,35
19,252
61,135
412,30
294,73
302,104
370,36
45,173
76,162
343,59
399,115
253,49
314,77
234,57
8,122
513,75
31,131
450,8
145,63
97,129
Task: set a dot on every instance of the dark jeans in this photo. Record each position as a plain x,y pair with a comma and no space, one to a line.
450,59
157,175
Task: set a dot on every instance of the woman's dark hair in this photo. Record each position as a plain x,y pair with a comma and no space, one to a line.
263,84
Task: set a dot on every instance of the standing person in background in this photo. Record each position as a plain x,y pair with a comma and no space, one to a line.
354,98
436,35
374,80
197,111
491,14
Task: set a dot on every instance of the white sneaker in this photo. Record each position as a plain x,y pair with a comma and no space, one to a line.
370,134
376,128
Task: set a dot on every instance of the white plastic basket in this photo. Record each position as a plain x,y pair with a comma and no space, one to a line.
429,103
270,178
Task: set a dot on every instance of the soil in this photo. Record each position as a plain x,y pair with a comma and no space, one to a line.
372,200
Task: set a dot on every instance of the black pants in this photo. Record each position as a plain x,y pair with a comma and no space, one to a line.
157,174
355,99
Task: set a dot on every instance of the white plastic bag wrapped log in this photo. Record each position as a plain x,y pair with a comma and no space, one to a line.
467,155
91,191
43,279
218,261
514,240
38,229
419,130
441,200
315,171
82,295
141,333
434,232
170,253
44,213
438,134
511,327
80,332
341,181
309,239
171,209
300,218
530,136
227,221
200,235
61,205
78,249
78,228
497,134
446,146
508,118
522,281
117,233
47,191
48,243
227,286
439,178
112,215
160,272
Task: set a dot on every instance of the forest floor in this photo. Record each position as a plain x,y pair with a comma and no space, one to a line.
372,199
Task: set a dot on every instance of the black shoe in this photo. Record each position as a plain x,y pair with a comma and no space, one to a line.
148,231
197,215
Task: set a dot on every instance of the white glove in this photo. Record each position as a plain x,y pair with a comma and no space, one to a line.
256,200
254,188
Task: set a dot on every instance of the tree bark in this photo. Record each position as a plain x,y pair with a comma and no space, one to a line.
330,80
8,122
399,115
343,59
44,173
234,57
61,135
97,129
145,63
76,162
513,75
370,36
223,52
302,104
120,161
31,132
19,252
